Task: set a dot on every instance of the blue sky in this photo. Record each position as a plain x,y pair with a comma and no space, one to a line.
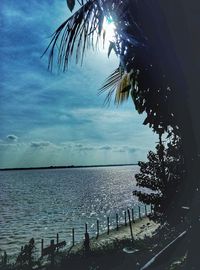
58,118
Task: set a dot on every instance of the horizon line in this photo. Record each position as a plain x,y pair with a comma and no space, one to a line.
67,166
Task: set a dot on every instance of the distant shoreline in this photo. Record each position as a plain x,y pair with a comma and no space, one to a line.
66,167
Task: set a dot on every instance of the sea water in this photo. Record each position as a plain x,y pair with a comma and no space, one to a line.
41,203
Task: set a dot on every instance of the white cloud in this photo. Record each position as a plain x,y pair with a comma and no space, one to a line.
40,144
106,147
12,137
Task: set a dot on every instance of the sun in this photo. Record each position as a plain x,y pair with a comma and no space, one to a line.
109,30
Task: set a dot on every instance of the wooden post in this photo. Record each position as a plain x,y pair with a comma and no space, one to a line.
42,247
73,238
133,218
108,225
129,219
125,221
117,222
52,252
139,212
97,229
57,239
145,209
87,239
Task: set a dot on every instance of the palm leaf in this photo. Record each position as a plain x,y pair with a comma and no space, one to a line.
119,83
76,34
111,84
111,47
71,4
123,89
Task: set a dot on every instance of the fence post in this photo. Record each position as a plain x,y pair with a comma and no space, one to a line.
129,219
57,239
73,238
42,247
125,220
139,212
133,218
97,229
87,239
108,225
52,252
117,221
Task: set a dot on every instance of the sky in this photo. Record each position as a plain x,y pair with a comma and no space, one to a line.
55,118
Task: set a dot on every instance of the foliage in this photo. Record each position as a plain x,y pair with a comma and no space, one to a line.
119,81
85,27
142,74
146,94
25,259
161,188
139,74
71,4
77,33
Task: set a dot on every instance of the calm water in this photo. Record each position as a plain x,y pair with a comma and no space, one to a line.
41,203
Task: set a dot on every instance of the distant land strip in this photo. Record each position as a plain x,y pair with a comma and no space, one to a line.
66,167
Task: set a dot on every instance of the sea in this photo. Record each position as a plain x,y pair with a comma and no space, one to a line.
43,202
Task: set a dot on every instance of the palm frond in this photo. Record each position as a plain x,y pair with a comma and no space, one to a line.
119,83
123,89
76,34
111,84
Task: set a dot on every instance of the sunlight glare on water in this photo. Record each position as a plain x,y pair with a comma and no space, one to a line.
41,203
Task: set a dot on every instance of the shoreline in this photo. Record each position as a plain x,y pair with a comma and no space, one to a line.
141,228
115,251
111,252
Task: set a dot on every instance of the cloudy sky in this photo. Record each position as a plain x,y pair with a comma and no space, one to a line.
54,118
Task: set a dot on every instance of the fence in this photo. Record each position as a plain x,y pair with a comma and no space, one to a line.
129,216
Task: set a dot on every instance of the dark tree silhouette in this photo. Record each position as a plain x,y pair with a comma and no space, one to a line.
159,187
158,47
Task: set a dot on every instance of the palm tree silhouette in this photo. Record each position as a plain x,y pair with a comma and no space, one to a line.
155,69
